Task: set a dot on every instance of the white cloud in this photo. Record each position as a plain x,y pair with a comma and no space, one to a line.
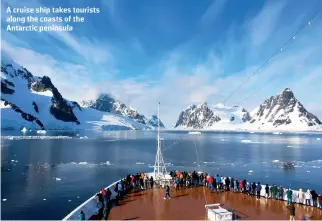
262,27
213,11
73,81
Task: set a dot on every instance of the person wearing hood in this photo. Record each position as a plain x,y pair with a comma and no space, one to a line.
81,216
314,198
308,198
281,193
258,190
289,194
266,191
300,196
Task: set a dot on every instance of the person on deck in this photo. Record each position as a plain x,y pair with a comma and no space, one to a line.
211,183
235,185
274,192
177,183
258,190
320,201
167,192
249,188
120,190
105,212
308,198
81,215
108,195
291,207
281,193
232,184
314,198
151,182
266,191
300,196
254,189
289,194
218,180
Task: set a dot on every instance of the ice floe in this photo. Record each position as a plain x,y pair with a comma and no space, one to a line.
295,147
139,163
58,179
4,200
35,137
246,141
24,130
41,131
250,171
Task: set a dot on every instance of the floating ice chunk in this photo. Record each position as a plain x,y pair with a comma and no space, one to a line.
107,163
83,163
139,163
41,131
4,200
12,160
318,138
77,197
308,171
246,141
69,200
58,179
44,199
275,161
85,137
250,171
24,130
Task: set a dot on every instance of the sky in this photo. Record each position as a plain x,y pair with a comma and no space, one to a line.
178,52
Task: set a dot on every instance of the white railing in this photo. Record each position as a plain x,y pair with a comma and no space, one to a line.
89,207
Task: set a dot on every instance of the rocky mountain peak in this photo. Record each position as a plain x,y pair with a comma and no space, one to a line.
106,102
283,109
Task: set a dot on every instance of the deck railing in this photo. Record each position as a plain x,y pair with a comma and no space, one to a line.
90,206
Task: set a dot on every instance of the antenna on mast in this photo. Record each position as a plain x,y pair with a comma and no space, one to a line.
159,167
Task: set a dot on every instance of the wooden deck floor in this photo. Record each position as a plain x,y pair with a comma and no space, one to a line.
189,204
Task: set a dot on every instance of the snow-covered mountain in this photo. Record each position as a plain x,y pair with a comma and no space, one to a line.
209,117
35,103
283,111
107,103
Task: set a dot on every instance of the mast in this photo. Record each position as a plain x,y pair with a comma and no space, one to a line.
159,167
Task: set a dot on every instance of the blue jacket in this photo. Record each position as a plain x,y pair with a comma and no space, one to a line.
259,187
120,187
218,179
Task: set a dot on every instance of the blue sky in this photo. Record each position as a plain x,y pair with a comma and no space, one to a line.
177,52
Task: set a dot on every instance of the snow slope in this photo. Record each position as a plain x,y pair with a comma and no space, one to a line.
204,116
107,103
22,106
282,112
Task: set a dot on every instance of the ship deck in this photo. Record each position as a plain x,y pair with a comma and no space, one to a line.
189,204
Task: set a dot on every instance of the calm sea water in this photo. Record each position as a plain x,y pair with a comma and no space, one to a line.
82,166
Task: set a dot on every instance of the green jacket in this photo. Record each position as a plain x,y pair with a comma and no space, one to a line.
274,190
105,211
